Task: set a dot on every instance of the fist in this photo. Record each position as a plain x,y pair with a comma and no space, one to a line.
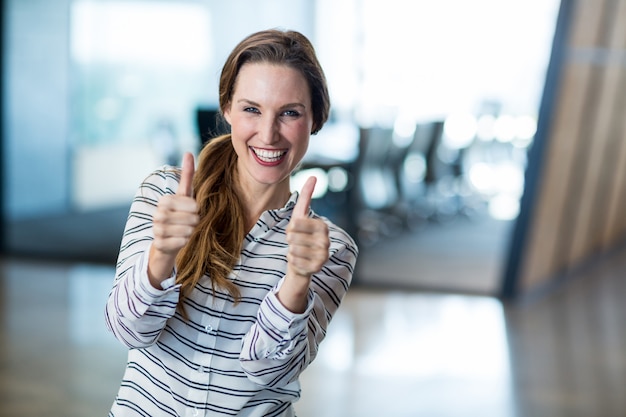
307,238
176,215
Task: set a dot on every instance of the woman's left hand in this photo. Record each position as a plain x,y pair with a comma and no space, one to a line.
308,251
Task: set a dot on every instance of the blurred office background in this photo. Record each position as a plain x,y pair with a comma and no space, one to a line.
475,151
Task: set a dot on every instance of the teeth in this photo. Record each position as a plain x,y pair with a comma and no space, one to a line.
267,155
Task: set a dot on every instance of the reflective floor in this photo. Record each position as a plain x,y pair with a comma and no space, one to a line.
388,353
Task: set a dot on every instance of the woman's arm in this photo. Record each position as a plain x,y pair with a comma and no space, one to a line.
281,344
136,311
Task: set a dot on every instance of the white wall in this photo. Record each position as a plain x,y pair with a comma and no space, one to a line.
36,107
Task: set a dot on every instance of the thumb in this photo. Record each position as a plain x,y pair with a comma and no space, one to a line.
304,199
186,176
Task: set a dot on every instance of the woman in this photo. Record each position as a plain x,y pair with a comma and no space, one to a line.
226,280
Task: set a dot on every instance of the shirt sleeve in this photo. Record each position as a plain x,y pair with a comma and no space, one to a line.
136,312
281,344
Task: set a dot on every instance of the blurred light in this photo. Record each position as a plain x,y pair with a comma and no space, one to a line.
337,179
509,178
415,167
481,177
460,130
403,131
321,187
447,155
377,189
505,129
504,207
485,127
526,127
401,141
504,177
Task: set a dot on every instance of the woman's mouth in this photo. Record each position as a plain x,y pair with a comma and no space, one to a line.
267,156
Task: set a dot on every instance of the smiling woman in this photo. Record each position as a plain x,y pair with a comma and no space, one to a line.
271,119
227,281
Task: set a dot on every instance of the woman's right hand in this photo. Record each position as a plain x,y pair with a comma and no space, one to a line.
175,218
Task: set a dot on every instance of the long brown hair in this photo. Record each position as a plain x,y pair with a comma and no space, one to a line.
216,243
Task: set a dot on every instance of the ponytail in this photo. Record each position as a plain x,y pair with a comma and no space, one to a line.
214,247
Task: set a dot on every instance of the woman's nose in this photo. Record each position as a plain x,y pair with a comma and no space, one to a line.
268,130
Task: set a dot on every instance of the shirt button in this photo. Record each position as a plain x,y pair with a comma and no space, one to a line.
208,328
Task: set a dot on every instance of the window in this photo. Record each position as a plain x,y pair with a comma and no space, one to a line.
138,71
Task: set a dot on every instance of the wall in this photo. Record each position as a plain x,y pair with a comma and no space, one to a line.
35,106
575,198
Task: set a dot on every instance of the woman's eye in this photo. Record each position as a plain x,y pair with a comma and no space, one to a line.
251,110
291,113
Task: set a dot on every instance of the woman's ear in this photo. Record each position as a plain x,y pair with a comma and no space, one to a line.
226,114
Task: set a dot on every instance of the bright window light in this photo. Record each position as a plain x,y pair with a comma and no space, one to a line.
147,33
504,207
460,130
481,176
485,127
505,128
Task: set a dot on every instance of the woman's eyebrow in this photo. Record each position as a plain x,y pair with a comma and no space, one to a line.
246,101
294,105
253,103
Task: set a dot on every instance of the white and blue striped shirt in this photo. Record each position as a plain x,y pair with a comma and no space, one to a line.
227,359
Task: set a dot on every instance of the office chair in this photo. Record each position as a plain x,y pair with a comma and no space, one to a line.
209,124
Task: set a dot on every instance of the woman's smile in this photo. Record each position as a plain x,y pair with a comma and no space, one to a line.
269,157
271,120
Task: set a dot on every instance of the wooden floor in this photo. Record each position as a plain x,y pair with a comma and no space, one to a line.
388,353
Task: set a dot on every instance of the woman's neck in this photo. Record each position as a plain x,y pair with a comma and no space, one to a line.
258,199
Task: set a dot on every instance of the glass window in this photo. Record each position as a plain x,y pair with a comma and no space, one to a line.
138,69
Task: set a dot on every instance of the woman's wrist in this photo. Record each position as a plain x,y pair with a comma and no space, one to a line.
293,293
160,267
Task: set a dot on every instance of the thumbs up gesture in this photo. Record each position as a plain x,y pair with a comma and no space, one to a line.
175,218
308,251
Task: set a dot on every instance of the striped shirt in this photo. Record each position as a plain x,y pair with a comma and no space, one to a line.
227,359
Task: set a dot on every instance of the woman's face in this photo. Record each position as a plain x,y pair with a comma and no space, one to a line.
271,119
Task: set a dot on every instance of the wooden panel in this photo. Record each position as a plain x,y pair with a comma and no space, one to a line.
615,227
591,168
587,23
545,238
579,201
613,181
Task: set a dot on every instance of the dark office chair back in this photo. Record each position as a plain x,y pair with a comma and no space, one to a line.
374,175
426,140
210,123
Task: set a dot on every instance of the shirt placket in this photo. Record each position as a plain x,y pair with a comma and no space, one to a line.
207,336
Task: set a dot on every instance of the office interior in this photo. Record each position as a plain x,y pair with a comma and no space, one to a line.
475,151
